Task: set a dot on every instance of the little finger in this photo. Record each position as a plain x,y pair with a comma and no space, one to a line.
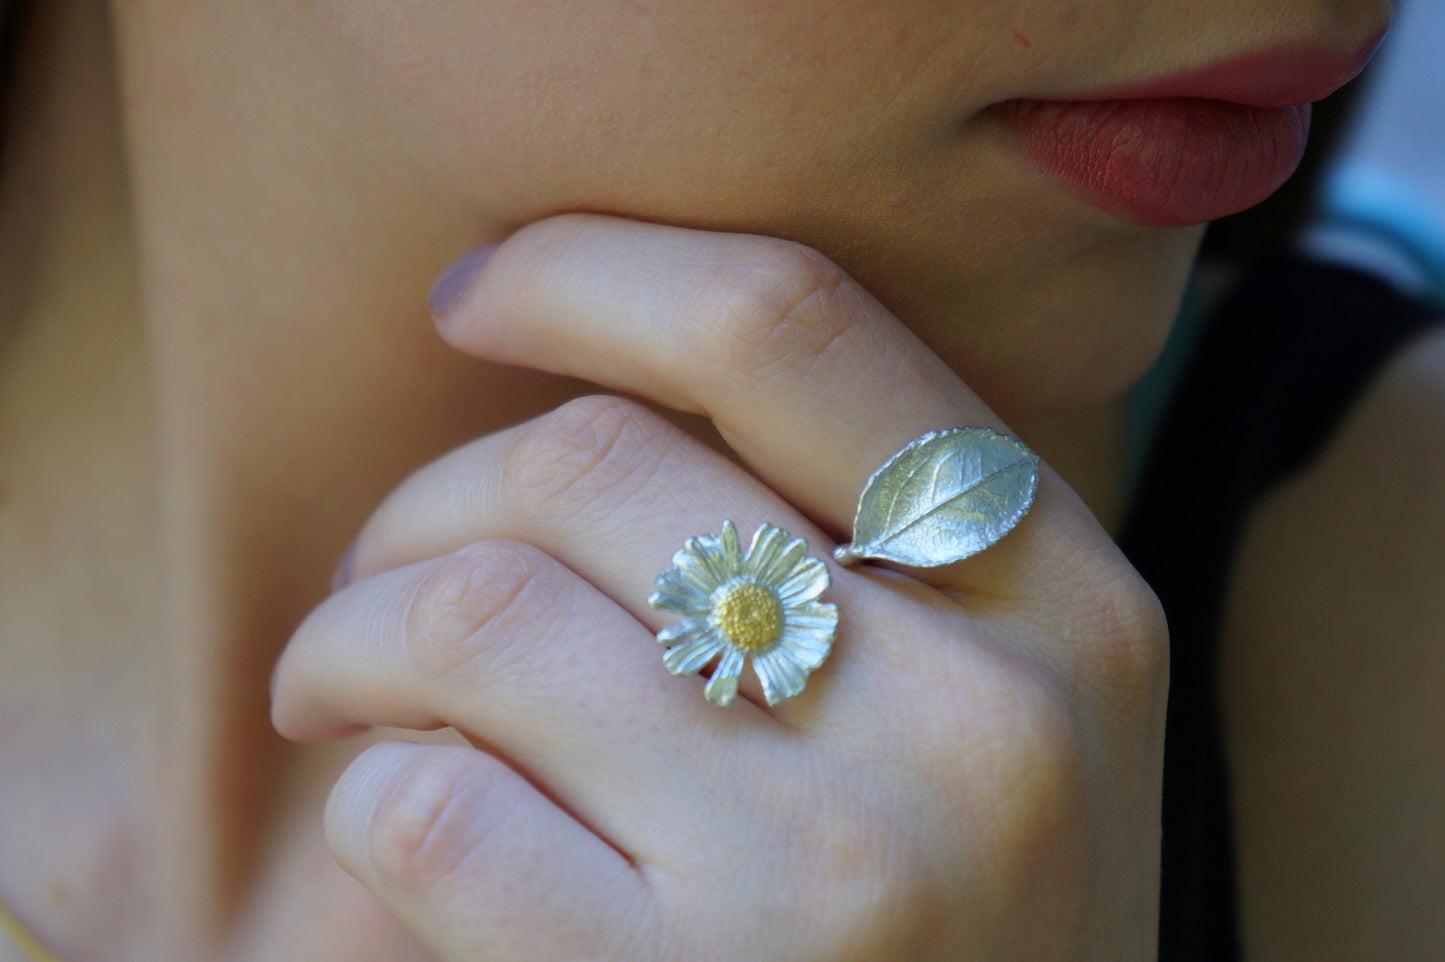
479,864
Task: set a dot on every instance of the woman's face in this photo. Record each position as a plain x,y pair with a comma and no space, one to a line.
860,127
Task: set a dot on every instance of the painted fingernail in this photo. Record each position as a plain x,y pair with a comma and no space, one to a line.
452,284
341,577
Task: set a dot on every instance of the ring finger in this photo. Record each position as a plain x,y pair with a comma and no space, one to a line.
504,644
612,491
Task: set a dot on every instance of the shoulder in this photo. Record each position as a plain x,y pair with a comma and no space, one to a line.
1370,509
1332,662
1352,549
1396,428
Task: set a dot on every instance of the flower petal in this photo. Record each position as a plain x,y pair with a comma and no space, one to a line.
730,550
768,544
684,630
809,647
723,687
819,615
678,591
692,655
805,582
780,675
773,561
698,560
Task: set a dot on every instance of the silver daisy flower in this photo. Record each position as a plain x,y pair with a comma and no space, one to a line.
760,604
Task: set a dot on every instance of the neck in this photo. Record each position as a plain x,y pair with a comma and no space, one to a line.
213,370
295,373
218,362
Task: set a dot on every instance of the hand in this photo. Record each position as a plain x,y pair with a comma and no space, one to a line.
974,774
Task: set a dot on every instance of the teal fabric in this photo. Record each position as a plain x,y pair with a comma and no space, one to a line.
1150,396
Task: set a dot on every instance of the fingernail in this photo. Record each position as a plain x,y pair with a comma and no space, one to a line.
275,677
452,284
341,577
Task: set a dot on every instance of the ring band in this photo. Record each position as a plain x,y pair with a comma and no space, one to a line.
761,603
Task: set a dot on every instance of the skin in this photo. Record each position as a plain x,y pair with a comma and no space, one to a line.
1336,756
997,754
257,196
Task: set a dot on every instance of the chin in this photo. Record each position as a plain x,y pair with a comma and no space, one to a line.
1031,389
1066,337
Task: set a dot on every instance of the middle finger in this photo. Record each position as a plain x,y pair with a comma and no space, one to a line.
810,379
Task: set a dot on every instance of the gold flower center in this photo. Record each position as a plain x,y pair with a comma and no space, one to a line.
749,614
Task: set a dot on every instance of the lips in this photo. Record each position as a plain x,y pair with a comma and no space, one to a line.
1163,163
1281,77
1190,147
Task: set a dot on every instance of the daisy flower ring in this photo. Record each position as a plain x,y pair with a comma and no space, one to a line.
761,604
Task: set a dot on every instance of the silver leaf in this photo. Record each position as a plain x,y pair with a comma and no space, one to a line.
946,496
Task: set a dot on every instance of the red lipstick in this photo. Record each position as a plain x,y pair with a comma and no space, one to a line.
1163,163
1282,77
1190,147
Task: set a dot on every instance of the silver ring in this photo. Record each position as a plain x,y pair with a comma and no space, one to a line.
761,603
946,496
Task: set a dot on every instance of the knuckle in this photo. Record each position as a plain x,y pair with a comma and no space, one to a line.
566,458
1039,789
1013,749
778,305
870,882
429,820
636,936
470,598
1124,638
1012,763
1040,739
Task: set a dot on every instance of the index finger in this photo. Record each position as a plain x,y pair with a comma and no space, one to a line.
808,377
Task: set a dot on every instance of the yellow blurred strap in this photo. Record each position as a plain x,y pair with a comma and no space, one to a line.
22,937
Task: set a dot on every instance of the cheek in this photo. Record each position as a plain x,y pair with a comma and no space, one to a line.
545,101
528,106
837,123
